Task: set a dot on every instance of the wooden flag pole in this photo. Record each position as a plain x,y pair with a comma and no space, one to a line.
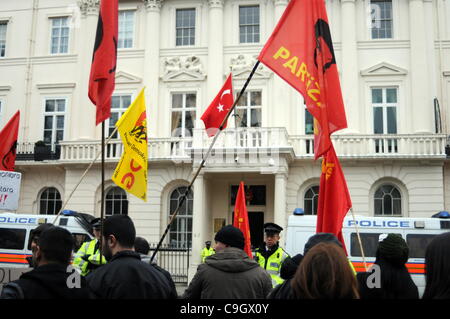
181,202
359,239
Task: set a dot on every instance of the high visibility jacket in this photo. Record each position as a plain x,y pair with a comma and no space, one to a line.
272,264
87,257
207,252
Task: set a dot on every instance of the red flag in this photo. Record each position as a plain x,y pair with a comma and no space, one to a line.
103,68
241,218
334,198
218,109
8,145
300,50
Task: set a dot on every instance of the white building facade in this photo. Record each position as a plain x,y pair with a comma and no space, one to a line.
394,62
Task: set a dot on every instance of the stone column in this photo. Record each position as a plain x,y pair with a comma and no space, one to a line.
198,224
83,110
280,204
215,49
349,65
421,100
151,66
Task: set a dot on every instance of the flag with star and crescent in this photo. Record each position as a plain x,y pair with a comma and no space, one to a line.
218,109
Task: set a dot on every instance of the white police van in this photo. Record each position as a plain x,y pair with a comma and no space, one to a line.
15,232
418,232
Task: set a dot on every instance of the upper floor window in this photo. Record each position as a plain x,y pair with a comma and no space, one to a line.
54,121
180,235
183,114
3,26
249,24
384,103
59,35
311,201
119,104
116,202
50,202
248,109
387,201
381,11
185,27
126,29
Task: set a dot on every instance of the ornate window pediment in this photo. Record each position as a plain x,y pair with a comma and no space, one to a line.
383,69
127,78
242,65
183,68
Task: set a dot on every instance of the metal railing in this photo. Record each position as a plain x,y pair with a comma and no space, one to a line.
174,260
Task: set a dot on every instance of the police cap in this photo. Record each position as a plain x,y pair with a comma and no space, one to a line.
208,242
96,223
272,228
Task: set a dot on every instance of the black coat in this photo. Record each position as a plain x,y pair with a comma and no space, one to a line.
127,277
48,281
282,291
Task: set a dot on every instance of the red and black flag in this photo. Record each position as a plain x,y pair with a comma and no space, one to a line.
8,143
103,69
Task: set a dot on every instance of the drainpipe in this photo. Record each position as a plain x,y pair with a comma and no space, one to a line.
441,80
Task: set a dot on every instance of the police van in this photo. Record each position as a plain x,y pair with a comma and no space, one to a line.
15,229
417,232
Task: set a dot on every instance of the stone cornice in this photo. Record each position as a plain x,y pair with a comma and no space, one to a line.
215,3
280,2
153,5
88,6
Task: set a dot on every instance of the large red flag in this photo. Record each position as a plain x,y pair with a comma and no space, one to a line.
300,50
103,69
218,109
241,218
8,143
334,198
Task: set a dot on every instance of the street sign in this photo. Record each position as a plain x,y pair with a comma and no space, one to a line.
9,190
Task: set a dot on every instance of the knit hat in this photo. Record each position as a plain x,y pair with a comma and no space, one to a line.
231,236
320,238
393,248
289,266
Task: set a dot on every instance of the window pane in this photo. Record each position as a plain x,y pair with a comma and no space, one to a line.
418,244
242,100
177,100
190,122
377,96
255,98
61,104
309,123
115,102
49,105
369,242
176,122
378,120
11,238
378,209
391,95
391,120
191,100
256,118
48,122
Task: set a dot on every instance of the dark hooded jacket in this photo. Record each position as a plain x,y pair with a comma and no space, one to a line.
229,274
48,281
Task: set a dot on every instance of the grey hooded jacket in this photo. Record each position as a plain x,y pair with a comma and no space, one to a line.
229,274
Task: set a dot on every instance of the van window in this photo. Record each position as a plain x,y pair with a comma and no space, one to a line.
418,244
12,238
79,239
369,242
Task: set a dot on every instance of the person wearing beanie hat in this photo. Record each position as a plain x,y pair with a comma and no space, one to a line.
229,273
396,282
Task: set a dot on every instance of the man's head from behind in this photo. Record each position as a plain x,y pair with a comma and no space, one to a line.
321,238
55,246
118,234
229,236
141,246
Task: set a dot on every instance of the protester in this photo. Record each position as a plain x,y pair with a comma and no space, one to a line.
207,251
287,272
324,273
230,273
51,279
34,237
437,268
395,282
125,276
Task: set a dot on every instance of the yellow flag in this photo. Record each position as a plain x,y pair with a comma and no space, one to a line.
131,172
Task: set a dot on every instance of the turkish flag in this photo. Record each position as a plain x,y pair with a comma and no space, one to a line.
218,109
103,68
8,144
334,198
300,50
241,219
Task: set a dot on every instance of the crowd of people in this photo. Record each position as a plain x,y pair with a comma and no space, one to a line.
123,269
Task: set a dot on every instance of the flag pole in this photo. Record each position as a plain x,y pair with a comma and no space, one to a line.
359,239
181,202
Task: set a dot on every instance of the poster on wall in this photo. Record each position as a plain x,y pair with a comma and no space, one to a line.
9,190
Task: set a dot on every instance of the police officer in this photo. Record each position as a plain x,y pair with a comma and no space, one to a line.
270,255
207,251
87,257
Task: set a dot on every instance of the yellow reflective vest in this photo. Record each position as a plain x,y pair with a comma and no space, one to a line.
207,252
272,264
87,257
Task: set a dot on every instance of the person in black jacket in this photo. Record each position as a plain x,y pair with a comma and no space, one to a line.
53,276
125,276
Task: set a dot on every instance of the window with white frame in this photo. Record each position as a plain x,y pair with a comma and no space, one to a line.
249,24
185,27
387,201
183,114
54,118
119,104
309,130
248,109
50,201
59,35
180,235
381,13
384,105
3,26
126,29
311,200
116,202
